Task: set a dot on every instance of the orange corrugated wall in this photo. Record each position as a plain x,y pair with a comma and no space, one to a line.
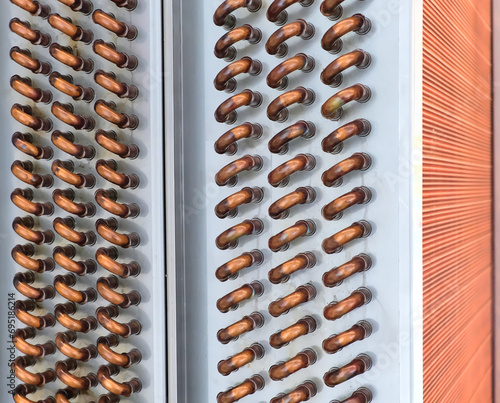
457,209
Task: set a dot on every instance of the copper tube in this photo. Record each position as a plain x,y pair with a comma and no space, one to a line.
65,142
224,48
226,144
63,255
33,7
64,112
22,309
107,140
226,112
336,376
64,54
66,26
24,58
234,266
333,143
304,326
336,310
64,284
332,108
36,379
333,177
336,242
106,287
23,226
63,396
106,110
362,395
335,276
229,206
232,300
22,198
119,28
106,258
278,77
281,273
337,342
280,176
65,200
34,350
108,51
63,369
229,239
227,176
66,86
334,209
277,10
248,387
23,281
225,81
276,45
82,6
332,74
278,111
24,86
223,15
105,315
64,171
24,115
281,241
302,294
107,230
302,360
124,360
22,256
63,343
126,389
24,30
281,207
331,9
65,228
107,200
300,394
24,142
84,325
245,357
331,41
108,81
246,324
21,391
23,170
127,4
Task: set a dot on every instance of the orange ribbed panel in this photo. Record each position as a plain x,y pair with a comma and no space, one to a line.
457,209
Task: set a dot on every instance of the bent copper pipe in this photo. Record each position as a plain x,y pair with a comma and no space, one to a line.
63,343
108,51
362,395
63,369
335,343
22,309
331,9
83,6
280,176
63,255
300,394
63,285
65,200
126,389
229,206
24,30
119,28
36,379
276,45
108,81
106,258
278,77
34,350
281,273
66,86
63,396
227,176
226,112
223,15
336,376
22,256
226,144
66,26
65,228
246,324
63,312
106,110
336,310
24,142
107,140
333,177
225,81
277,10
33,7
65,142
64,54
64,171
332,74
22,198
302,360
224,48
107,200
124,360
234,298
106,287
23,170
304,326
106,229
332,108
127,4
24,86
24,58
64,112
357,264
229,238
302,294
22,391
23,226
245,357
281,241
333,142
278,111
335,243
281,207
104,316
24,115
233,267
334,209
23,281
248,387
358,23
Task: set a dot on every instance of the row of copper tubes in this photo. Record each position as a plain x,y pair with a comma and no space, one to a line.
278,111
27,311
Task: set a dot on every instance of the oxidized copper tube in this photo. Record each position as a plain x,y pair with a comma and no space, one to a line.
300,394
106,110
107,140
107,230
248,387
336,376
337,342
281,207
127,4
119,28
280,176
82,6
64,171
21,392
105,315
108,51
63,285
22,256
225,81
226,112
332,74
335,243
23,170
245,357
124,360
22,198
63,255
281,241
229,206
104,375
64,112
336,310
234,266
106,287
362,395
229,238
24,142
334,209
65,228
332,108
24,58
302,294
22,309
304,326
24,115
278,111
106,258
223,15
279,143
23,226
358,23
234,298
276,45
84,325
302,360
246,324
107,200
333,142
65,200
107,169
24,30
276,12
65,142
333,177
63,369
357,264
66,86
278,77
108,81
227,176
224,48
33,7
23,281
36,379
66,26
282,273
63,343
64,54
34,350
24,86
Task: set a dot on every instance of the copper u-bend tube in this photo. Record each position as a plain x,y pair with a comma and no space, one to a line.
64,54
226,112
279,143
66,86
245,357
107,230
24,30
333,177
107,200
63,343
108,51
82,6
280,176
302,294
223,15
35,379
224,48
234,266
276,45
63,369
337,342
64,112
64,171
108,81
23,170
126,4
33,350
229,206
65,142
225,81
66,26
281,241
333,143
304,326
332,108
106,110
248,387
63,255
22,198
302,360
335,243
281,273
104,316
278,111
232,300
24,86
124,360
277,10
64,284
362,395
106,287
334,209
106,258
24,142
23,226
65,228
22,256
336,310
24,115
302,393
126,389
278,77
24,58
227,176
331,9
84,325
22,309
332,74
357,264
23,281
22,391
65,200
336,376
229,238
246,324
33,7
281,207
358,23
107,140
63,395
119,28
